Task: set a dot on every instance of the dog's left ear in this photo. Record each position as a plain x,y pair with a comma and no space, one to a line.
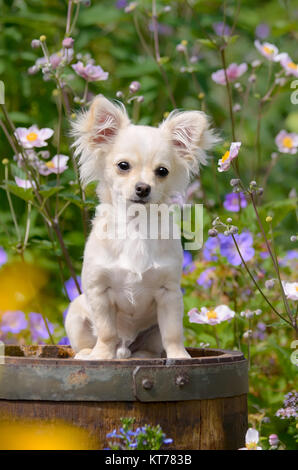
190,136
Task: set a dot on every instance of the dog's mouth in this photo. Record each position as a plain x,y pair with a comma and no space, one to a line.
139,201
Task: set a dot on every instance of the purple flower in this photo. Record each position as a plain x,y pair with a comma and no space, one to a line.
121,4
3,256
64,341
38,328
91,73
221,29
262,31
211,247
234,201
229,250
233,71
71,288
187,259
206,278
13,322
291,255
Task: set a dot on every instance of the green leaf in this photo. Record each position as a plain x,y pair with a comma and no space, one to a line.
75,199
25,194
207,43
48,191
99,15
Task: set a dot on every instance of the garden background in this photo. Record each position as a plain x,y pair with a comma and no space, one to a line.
160,56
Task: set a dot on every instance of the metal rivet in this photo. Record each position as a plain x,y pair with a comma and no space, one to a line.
181,380
147,384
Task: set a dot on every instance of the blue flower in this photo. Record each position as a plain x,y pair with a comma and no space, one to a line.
168,440
3,256
64,341
38,327
211,247
13,322
71,288
206,278
229,250
234,201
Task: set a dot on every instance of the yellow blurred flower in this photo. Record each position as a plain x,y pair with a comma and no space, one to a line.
19,284
44,435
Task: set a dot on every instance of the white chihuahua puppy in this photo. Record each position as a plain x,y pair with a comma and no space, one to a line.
132,301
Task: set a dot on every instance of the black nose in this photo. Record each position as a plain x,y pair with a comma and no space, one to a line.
143,189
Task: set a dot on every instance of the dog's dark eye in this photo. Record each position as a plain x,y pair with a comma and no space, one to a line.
123,166
161,172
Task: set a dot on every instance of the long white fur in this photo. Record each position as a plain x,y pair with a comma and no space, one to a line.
130,285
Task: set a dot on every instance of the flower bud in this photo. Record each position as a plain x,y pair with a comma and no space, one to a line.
293,238
229,220
234,229
234,182
43,38
247,334
68,43
5,161
212,232
268,219
35,43
273,440
140,99
134,87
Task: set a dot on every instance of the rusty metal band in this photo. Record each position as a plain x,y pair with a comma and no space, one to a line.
53,380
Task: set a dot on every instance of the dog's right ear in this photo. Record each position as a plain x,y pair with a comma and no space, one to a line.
95,131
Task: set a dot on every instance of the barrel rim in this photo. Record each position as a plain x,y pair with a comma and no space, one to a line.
44,356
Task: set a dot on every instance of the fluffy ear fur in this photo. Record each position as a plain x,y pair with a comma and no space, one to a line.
190,135
94,132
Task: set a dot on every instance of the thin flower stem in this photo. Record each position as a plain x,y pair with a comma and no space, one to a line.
256,285
286,303
74,21
275,263
140,35
27,230
223,59
157,53
68,18
13,215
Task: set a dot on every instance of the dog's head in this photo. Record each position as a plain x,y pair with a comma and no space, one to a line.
139,163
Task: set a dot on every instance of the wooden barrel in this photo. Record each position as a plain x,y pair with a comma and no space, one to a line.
201,403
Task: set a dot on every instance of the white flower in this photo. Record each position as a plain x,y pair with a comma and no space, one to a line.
33,137
267,50
287,63
287,142
291,290
211,316
224,162
57,165
251,440
26,184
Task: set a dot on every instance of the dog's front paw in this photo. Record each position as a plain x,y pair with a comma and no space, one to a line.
178,353
84,354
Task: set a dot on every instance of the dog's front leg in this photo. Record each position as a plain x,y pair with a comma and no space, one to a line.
103,317
170,319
